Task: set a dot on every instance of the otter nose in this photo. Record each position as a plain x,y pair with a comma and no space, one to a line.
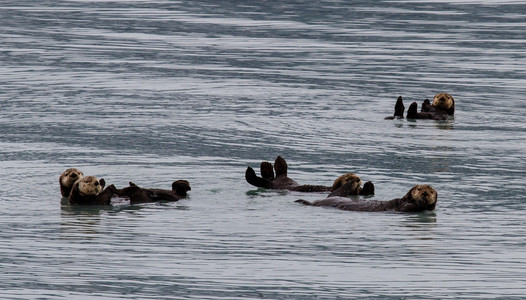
96,183
73,175
425,194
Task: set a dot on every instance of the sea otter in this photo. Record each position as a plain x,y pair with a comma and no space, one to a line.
355,187
67,179
442,107
137,194
283,182
419,198
90,191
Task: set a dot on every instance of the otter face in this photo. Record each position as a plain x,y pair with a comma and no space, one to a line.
67,179
420,197
89,186
424,193
340,181
443,101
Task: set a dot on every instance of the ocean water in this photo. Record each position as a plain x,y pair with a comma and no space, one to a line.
154,91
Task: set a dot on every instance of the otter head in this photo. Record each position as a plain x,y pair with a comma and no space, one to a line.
67,179
443,101
181,187
420,197
89,186
345,178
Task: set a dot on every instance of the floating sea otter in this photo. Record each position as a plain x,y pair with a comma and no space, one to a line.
67,179
283,182
90,191
442,107
137,194
419,198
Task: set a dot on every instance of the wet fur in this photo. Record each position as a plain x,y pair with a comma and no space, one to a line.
67,179
419,198
442,108
137,194
282,181
90,191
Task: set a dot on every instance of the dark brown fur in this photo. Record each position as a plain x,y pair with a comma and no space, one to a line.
433,111
283,182
101,198
412,113
399,110
426,201
137,194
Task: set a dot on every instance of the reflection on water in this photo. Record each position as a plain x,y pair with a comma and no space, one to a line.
155,91
446,124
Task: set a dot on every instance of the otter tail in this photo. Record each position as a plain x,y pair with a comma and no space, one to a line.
303,202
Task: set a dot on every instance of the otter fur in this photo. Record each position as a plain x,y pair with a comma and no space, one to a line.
419,198
442,108
90,191
283,182
137,194
67,179
399,110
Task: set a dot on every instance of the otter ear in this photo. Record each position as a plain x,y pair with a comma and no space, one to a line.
280,165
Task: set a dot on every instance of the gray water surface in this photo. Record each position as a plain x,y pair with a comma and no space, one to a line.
153,91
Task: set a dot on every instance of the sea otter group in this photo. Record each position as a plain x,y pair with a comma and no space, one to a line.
88,190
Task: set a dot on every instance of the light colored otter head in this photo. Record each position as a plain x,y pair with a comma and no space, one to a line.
420,197
340,181
443,101
89,186
67,179
424,193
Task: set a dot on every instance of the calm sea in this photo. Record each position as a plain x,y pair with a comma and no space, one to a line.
154,91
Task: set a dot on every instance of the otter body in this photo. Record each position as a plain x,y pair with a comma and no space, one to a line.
137,194
419,198
282,182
